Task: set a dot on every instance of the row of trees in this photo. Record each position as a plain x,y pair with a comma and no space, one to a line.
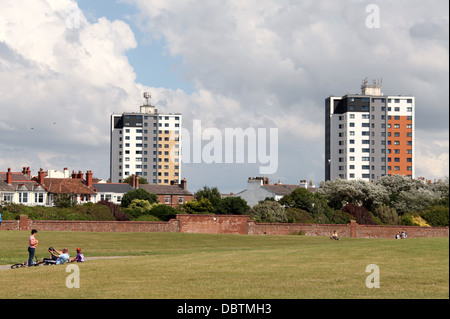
391,200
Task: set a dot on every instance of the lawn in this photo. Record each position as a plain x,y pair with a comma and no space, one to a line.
212,266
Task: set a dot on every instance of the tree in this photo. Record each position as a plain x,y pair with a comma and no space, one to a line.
163,212
64,201
202,206
232,206
139,207
269,212
387,215
359,192
212,194
313,203
138,194
360,213
115,210
141,180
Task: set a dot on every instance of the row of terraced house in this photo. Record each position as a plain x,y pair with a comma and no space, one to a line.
43,188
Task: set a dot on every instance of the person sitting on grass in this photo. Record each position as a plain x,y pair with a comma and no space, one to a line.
51,260
62,256
79,258
334,235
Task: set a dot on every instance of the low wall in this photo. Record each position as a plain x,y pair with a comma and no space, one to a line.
225,224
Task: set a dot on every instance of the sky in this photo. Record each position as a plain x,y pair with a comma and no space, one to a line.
66,66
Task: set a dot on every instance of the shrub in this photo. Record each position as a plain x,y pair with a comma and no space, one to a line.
360,214
413,219
436,216
297,215
139,207
268,212
163,212
232,206
340,217
138,194
387,215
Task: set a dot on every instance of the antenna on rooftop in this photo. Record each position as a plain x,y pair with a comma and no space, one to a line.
147,96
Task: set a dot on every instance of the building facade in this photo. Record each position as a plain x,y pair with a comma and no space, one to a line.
146,144
369,135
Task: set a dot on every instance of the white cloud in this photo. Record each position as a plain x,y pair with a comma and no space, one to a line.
251,63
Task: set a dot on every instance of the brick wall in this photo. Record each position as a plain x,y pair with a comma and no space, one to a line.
225,224
215,224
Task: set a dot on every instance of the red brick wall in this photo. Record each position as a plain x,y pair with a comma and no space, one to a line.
225,224
216,224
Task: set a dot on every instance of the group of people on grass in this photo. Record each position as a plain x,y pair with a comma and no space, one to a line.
401,235
57,257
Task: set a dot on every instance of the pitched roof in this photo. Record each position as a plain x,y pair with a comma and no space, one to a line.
67,186
113,187
165,189
280,189
19,180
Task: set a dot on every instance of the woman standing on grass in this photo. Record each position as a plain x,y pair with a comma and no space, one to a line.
32,244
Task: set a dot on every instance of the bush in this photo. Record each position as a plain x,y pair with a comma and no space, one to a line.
436,216
163,212
232,206
340,217
268,212
413,219
387,215
297,215
360,214
138,194
139,207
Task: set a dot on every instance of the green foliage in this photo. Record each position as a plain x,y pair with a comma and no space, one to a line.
387,215
297,215
340,217
163,212
211,194
139,207
436,216
268,212
139,193
64,201
141,180
77,212
202,206
232,206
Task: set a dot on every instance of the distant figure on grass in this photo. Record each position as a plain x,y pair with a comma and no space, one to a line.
79,258
404,235
32,244
334,235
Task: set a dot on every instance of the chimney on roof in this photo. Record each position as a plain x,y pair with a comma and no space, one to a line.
183,183
303,183
26,171
134,181
9,177
66,172
74,175
89,178
41,175
80,175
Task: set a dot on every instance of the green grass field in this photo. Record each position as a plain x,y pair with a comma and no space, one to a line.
210,266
